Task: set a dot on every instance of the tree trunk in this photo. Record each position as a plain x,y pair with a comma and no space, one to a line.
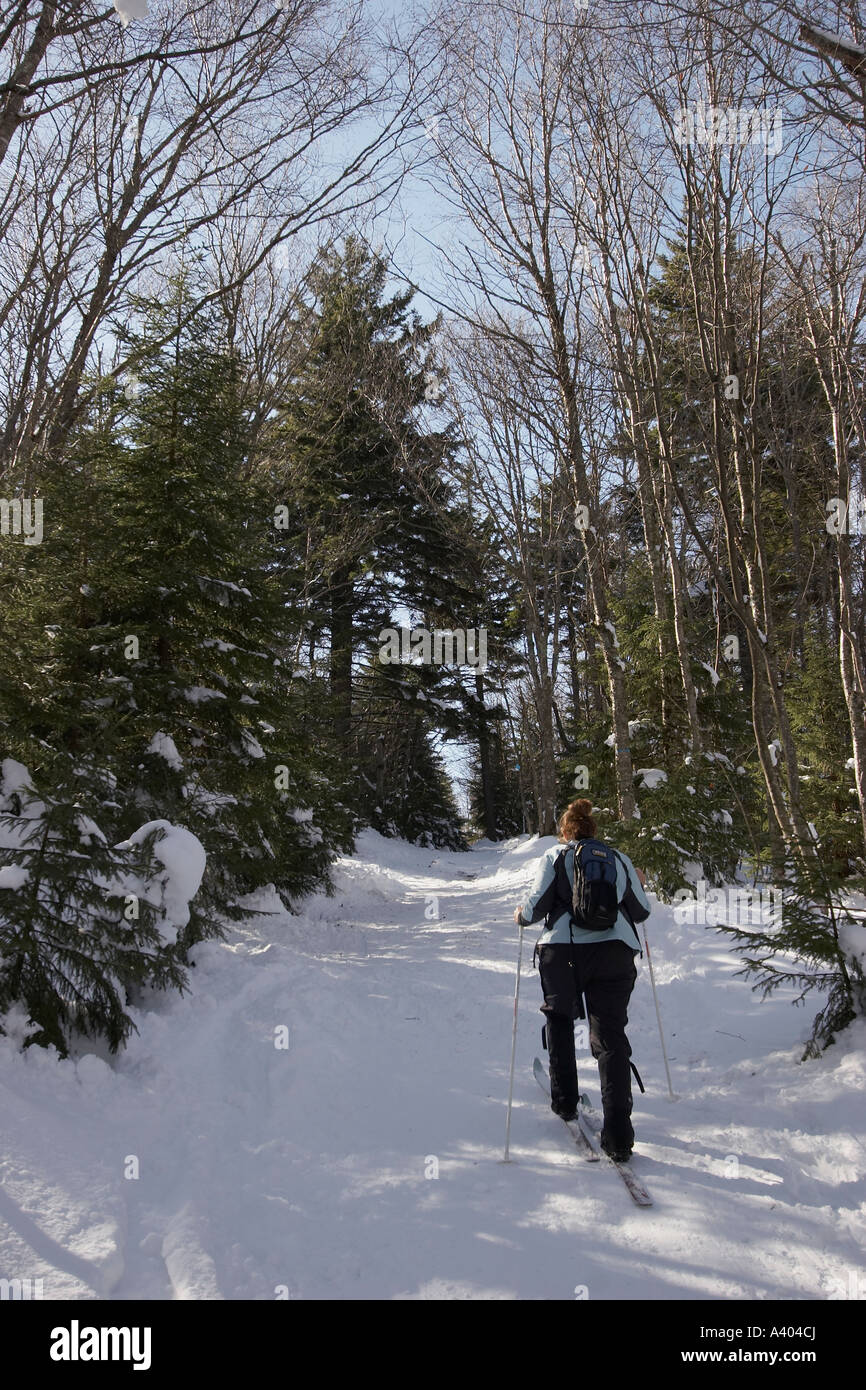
488,801
342,612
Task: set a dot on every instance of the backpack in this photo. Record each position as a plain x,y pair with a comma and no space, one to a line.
593,900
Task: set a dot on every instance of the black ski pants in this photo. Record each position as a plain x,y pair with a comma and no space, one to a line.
604,973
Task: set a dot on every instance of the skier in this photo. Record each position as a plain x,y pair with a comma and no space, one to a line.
600,965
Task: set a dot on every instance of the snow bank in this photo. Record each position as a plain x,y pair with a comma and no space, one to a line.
277,1160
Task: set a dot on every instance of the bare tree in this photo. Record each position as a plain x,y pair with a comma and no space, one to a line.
505,74
190,125
828,271
515,477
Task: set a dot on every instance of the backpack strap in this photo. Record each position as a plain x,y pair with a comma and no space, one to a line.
625,912
560,877
561,904
557,905
572,845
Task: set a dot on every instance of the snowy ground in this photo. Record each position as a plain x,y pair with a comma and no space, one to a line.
303,1171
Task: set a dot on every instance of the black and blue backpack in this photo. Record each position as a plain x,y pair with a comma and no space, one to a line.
592,901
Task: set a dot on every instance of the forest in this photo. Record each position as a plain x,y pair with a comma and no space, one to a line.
605,455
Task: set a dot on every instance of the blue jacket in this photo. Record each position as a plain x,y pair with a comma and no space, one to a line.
542,900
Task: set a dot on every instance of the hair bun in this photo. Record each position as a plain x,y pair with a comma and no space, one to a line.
577,821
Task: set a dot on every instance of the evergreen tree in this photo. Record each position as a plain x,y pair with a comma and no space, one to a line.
154,640
194,607
404,788
810,942
80,925
357,467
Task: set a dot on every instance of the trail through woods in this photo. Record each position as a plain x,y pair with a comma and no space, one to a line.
307,1171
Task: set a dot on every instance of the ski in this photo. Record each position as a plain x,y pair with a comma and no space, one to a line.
590,1124
572,1126
585,1130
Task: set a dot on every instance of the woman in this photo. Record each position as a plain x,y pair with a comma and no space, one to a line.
599,965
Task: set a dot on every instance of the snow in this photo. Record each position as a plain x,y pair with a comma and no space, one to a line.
301,1168
88,830
718,758
652,777
251,745
198,694
14,777
845,44
205,581
184,859
164,746
712,672
15,783
13,876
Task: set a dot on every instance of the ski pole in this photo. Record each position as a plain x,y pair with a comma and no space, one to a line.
658,1013
506,1159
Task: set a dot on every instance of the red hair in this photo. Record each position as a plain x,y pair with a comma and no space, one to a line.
576,821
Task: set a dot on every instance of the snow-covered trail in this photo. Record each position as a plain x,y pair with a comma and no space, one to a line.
307,1170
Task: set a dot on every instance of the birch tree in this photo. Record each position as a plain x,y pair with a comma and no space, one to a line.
504,88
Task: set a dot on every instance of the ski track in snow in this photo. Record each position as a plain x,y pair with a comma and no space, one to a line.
300,1171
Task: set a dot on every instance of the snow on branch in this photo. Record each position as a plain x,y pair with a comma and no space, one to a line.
851,55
